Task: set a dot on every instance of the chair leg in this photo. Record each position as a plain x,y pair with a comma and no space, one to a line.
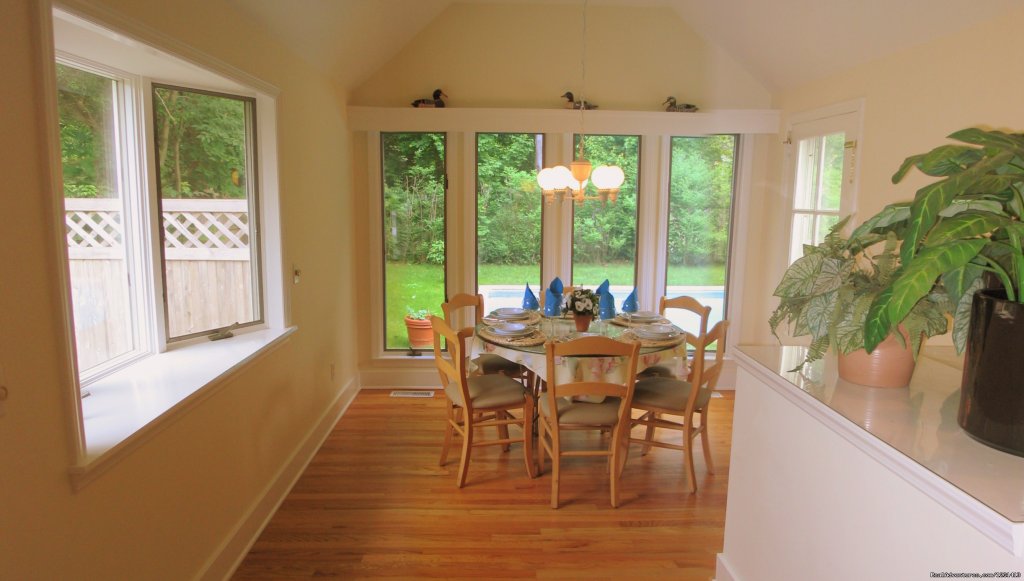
503,429
691,473
531,465
540,446
706,443
556,461
448,429
649,435
467,450
613,465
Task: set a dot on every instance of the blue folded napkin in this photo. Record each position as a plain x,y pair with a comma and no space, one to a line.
552,303
607,306
629,305
529,300
603,288
556,285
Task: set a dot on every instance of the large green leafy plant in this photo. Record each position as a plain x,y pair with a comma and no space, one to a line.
827,294
956,229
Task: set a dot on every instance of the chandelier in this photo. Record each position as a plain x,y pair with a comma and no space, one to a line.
570,183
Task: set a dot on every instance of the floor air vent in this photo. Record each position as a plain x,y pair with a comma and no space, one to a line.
413,393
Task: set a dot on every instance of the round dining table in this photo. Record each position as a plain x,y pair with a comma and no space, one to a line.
529,350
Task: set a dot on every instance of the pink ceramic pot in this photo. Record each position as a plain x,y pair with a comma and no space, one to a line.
889,365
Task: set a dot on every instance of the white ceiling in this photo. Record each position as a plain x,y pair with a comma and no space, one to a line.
782,43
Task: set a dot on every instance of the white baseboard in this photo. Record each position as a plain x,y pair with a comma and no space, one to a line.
722,570
232,551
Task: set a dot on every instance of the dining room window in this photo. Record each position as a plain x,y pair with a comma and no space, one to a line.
821,172
92,106
604,235
205,160
702,186
414,249
509,210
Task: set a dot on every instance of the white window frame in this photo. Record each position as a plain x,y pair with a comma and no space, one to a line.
130,404
847,117
558,127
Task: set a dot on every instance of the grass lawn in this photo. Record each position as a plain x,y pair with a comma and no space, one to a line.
421,286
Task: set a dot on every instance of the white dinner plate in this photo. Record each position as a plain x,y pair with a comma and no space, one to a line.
511,329
641,316
656,332
511,313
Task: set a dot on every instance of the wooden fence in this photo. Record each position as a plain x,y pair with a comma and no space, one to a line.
208,274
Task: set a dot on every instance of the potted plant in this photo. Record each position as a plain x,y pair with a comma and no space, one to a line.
417,324
827,294
958,232
584,305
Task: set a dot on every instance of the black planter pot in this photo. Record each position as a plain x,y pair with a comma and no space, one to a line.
992,392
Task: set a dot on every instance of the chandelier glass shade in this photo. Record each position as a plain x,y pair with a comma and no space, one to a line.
560,182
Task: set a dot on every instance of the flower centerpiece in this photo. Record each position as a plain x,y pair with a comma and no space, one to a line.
584,305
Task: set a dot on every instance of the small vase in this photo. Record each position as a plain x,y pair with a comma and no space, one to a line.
582,322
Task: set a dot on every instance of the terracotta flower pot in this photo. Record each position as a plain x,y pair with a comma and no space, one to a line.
891,364
582,322
421,335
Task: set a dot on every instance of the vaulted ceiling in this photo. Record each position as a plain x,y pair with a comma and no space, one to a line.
782,43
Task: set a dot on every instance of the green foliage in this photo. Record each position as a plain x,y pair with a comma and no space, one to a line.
416,314
508,217
700,199
414,196
828,294
955,230
200,144
605,233
85,107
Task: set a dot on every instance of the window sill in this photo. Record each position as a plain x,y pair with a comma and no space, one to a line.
128,407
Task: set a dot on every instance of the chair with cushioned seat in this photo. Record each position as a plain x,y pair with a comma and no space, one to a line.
684,303
486,363
479,401
558,411
658,396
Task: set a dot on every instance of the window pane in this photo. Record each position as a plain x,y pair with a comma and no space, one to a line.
832,173
508,216
604,236
94,217
825,223
203,144
414,235
819,176
700,213
803,233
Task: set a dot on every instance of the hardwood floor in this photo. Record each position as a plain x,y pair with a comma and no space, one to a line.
374,503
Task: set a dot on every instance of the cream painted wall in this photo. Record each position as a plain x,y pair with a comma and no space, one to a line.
913,100
164,510
527,54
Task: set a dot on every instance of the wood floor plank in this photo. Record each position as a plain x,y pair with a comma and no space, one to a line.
374,504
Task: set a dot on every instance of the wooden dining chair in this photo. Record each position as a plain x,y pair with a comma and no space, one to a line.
479,401
559,412
486,363
660,396
685,303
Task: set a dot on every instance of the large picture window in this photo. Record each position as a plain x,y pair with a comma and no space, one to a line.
508,216
414,203
701,193
604,235
204,162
